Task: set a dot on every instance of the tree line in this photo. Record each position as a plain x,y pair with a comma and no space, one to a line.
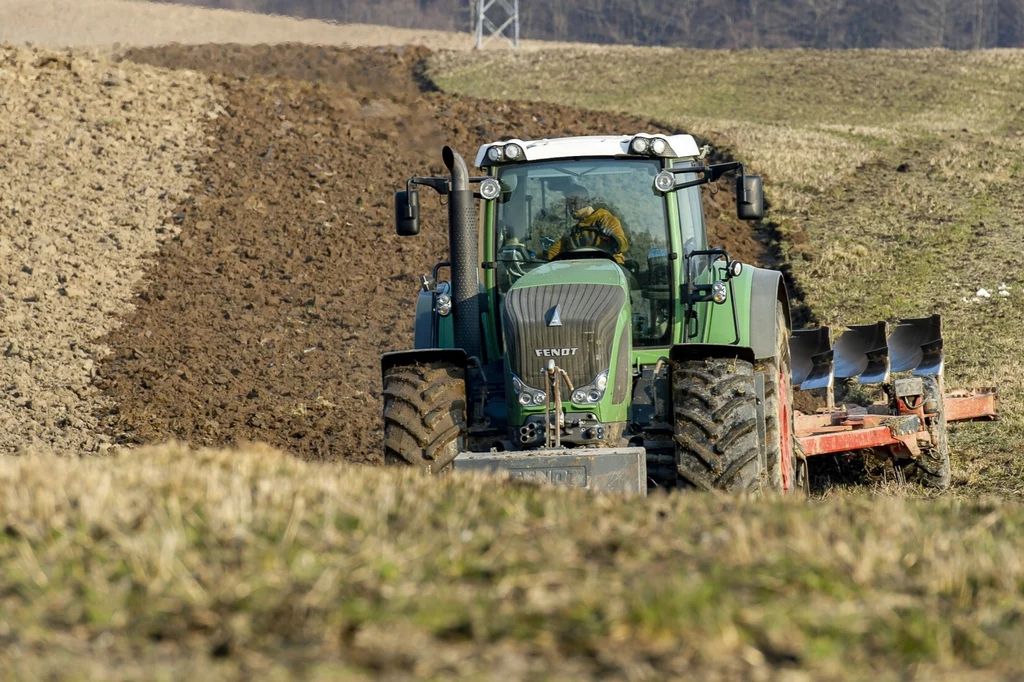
730,24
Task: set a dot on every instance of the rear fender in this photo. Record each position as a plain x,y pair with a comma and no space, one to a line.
767,288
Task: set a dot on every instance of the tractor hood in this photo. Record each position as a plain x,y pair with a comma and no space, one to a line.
574,312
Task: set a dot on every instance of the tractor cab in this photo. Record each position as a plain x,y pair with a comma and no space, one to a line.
594,198
580,272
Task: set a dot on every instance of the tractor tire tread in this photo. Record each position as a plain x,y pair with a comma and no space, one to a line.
716,424
424,415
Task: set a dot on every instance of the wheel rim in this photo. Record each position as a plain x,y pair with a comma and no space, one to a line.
785,441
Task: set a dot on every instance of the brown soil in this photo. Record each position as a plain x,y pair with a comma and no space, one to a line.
93,156
265,316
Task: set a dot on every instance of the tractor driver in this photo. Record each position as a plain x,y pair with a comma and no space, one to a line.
594,228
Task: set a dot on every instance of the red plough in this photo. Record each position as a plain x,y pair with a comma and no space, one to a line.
856,429
911,422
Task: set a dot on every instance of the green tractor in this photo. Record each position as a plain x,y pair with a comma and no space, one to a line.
588,335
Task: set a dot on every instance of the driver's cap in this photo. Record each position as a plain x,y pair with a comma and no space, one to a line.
576,190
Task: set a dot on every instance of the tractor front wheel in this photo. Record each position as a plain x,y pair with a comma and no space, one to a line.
424,415
716,438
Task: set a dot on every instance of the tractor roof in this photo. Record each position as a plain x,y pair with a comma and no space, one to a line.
679,146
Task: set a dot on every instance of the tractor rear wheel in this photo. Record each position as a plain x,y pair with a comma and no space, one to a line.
424,415
716,424
932,469
784,457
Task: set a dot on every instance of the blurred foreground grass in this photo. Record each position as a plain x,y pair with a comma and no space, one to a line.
167,563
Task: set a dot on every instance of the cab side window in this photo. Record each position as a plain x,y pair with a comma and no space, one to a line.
691,221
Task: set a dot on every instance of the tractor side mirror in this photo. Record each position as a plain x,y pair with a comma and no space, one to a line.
749,197
407,213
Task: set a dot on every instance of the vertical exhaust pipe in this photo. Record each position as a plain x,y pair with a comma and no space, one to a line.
463,254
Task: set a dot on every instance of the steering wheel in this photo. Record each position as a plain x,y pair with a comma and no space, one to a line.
593,234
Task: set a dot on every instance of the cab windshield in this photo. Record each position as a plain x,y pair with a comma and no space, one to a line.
590,208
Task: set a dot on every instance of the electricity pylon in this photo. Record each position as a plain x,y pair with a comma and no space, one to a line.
494,18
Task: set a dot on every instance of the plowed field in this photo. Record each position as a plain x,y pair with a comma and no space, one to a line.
263,319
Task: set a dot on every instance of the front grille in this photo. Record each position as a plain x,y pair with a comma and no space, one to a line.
588,314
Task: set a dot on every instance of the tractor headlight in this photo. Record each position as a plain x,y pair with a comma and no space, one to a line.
664,182
591,393
490,189
650,146
528,397
444,305
719,292
501,153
